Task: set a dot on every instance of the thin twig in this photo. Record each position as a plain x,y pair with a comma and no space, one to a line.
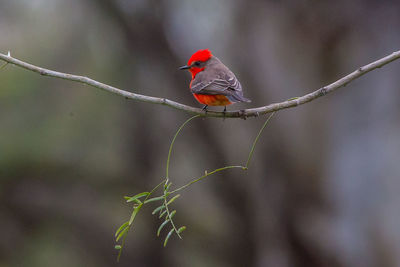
170,217
256,140
172,144
204,176
166,193
229,167
252,112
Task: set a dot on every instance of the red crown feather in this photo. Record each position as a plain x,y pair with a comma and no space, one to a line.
201,55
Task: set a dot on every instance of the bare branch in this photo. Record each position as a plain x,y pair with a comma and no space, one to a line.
252,112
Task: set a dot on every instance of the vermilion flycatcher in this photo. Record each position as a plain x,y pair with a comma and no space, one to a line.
213,84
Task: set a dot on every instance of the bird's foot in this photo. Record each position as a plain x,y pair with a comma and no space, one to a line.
224,112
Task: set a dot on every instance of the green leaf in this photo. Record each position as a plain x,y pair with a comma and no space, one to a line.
166,188
173,199
154,199
181,229
134,213
121,228
137,202
117,247
123,232
169,216
168,236
158,209
161,227
129,199
162,214
136,197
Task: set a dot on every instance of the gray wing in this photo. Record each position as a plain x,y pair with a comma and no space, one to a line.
227,85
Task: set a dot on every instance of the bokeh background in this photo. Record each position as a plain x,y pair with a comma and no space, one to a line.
323,188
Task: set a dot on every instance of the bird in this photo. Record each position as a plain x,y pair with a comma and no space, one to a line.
213,84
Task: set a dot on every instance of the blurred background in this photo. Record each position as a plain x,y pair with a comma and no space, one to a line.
323,186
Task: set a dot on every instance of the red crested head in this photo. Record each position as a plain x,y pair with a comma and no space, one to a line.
201,55
197,61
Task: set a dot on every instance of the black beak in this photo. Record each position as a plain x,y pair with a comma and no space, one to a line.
184,67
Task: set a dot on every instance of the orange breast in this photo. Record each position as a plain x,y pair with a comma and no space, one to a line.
213,100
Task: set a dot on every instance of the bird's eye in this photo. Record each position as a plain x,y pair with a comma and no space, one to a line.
197,63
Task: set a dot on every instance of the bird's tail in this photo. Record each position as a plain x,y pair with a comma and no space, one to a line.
238,98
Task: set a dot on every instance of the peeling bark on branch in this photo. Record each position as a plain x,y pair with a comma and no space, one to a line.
245,113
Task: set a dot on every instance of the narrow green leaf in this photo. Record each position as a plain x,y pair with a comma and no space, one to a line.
161,227
162,214
168,236
121,228
173,199
134,213
154,199
143,194
158,209
137,202
123,232
170,215
117,247
166,188
181,229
